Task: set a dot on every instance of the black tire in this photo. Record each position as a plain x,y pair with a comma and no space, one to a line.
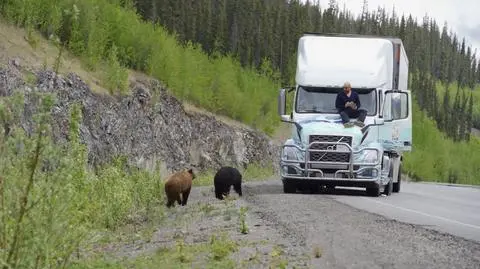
396,186
316,188
289,186
373,191
389,187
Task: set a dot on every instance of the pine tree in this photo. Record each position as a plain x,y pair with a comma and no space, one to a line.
329,17
362,29
456,116
469,117
445,124
401,32
462,117
461,70
444,55
473,76
478,72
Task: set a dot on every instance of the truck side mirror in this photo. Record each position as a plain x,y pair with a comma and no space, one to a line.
282,102
379,121
285,118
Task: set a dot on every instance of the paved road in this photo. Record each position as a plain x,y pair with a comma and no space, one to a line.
450,209
350,237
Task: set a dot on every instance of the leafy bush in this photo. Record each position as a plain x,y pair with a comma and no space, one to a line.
50,203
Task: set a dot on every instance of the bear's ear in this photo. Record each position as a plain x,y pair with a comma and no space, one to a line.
190,170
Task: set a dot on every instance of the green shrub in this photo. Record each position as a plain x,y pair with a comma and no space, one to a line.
50,203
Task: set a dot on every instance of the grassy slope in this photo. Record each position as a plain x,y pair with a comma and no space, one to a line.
436,158
453,92
102,28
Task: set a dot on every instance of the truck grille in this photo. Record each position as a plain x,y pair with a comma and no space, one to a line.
329,156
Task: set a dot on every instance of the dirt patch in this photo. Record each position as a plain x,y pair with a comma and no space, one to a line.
38,53
214,232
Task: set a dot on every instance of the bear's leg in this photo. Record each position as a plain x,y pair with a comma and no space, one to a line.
238,188
218,191
179,199
185,196
170,199
221,192
170,202
219,195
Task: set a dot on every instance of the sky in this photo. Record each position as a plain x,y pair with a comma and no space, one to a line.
462,16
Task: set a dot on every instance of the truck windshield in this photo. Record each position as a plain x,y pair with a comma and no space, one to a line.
322,100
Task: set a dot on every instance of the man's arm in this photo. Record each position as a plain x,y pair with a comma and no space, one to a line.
338,103
357,101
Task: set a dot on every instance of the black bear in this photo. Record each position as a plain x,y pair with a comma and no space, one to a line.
225,178
179,184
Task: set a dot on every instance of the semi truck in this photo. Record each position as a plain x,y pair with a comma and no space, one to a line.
323,153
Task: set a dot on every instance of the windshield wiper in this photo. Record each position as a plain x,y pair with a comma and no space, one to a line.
310,110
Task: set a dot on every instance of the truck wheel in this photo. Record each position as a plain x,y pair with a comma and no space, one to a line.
389,187
374,191
289,186
396,186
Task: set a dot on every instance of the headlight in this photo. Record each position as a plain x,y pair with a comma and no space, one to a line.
370,156
292,154
289,154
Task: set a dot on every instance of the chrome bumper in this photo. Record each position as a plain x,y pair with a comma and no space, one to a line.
315,170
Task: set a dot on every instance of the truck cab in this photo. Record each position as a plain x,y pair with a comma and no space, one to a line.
322,152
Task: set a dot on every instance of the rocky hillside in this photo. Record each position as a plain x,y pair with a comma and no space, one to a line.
148,126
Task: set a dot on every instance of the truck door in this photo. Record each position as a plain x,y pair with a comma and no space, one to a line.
396,132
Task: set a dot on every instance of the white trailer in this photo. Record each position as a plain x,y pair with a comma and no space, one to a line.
321,151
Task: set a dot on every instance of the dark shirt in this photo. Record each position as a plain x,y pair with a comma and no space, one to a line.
342,99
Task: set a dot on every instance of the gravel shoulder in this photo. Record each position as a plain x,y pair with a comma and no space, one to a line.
299,231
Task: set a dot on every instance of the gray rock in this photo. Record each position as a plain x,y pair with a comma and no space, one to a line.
149,126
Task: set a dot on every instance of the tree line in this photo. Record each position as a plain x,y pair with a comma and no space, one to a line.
453,116
254,30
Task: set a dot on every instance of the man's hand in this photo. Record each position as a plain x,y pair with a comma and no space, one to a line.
351,104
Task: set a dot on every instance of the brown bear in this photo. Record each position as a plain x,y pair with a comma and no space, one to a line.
226,177
179,184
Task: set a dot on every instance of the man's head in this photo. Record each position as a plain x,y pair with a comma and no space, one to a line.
347,87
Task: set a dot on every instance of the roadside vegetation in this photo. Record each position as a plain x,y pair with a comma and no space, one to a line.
437,158
51,206
54,210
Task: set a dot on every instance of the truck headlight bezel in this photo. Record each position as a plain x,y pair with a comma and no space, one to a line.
369,156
